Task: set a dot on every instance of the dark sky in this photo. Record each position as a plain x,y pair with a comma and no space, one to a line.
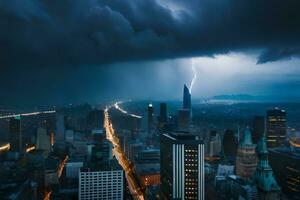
59,51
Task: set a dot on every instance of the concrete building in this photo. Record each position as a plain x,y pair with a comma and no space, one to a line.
104,185
246,159
43,140
215,145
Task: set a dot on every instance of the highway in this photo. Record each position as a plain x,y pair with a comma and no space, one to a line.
5,147
132,181
117,106
62,166
27,114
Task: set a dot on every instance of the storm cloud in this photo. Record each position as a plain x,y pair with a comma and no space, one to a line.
93,32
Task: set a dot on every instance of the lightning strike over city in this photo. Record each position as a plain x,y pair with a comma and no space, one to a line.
149,100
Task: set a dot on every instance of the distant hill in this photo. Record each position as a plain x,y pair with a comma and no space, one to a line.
247,97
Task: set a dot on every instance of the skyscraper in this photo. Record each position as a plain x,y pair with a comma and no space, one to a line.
258,128
182,166
150,117
276,127
229,146
187,104
163,113
60,128
285,164
246,159
162,119
264,179
15,134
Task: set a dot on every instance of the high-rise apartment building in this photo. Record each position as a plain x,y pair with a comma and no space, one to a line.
182,166
104,185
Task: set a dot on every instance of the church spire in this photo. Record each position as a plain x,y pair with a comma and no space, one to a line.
264,178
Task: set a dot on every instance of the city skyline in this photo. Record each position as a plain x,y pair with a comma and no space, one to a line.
149,99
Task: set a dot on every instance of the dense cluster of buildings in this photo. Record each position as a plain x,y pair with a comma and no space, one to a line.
67,154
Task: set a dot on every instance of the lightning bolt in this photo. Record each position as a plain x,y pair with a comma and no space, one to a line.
194,77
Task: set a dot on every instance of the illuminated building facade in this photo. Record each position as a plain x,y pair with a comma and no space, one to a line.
182,166
276,127
286,168
246,159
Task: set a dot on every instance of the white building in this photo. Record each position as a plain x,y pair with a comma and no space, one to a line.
101,185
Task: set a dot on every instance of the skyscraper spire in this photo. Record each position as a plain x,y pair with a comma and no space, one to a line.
187,104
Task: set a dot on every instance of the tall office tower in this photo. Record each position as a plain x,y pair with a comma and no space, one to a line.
182,166
246,159
15,134
150,117
264,179
42,140
258,128
163,113
229,146
60,128
187,104
285,164
162,119
101,185
276,127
